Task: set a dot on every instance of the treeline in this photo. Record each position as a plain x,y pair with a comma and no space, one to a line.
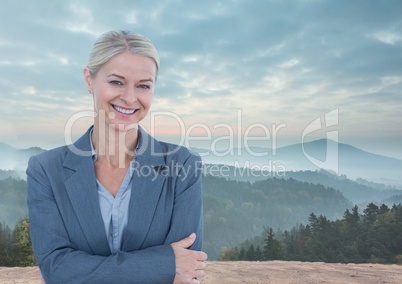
13,201
359,191
15,245
235,211
374,236
354,191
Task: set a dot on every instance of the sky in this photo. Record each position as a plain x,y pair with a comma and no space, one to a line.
263,73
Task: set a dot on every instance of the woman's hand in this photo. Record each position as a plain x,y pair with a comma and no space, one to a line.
190,264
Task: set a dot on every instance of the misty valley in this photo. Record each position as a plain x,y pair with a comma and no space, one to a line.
244,210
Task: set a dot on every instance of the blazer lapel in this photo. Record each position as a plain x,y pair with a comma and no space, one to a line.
83,194
148,183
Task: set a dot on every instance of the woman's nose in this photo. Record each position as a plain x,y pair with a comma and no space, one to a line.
129,95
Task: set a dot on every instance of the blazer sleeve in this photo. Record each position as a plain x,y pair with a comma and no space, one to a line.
61,262
187,215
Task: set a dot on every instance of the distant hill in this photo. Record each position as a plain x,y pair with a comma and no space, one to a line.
395,199
10,173
324,154
320,154
16,159
235,211
356,192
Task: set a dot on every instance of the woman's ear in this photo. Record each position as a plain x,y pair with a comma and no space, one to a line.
88,79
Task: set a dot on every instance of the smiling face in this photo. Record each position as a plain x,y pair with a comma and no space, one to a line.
122,90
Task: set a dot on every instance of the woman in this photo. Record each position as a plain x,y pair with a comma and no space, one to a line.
118,206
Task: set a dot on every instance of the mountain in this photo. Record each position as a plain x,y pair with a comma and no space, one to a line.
16,159
10,173
235,211
395,199
319,154
352,190
343,159
357,192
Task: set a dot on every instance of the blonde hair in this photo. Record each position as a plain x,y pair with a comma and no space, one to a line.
115,42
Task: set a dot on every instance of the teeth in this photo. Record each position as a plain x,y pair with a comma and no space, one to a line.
125,111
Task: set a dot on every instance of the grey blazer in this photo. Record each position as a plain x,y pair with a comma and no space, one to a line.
66,225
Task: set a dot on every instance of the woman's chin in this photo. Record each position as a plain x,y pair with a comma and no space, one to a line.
123,126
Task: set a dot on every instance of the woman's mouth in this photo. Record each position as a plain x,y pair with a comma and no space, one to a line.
126,111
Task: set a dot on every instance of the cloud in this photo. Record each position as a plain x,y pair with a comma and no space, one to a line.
277,61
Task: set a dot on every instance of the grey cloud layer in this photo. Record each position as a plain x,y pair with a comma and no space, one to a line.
284,57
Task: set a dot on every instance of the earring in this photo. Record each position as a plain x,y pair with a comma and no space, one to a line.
90,91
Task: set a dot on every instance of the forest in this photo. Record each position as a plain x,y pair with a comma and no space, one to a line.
374,236
13,201
234,210
15,245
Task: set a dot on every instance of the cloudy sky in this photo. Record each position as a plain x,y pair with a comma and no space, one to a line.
259,68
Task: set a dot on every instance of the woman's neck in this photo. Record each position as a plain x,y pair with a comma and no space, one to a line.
113,146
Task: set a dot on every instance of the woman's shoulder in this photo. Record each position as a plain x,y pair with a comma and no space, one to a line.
171,151
74,151
51,157
178,151
181,160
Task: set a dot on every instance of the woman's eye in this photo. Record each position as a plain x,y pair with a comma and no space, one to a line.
115,82
146,87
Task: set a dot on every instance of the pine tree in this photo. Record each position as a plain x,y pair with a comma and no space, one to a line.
272,247
258,254
22,244
370,213
250,254
242,254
